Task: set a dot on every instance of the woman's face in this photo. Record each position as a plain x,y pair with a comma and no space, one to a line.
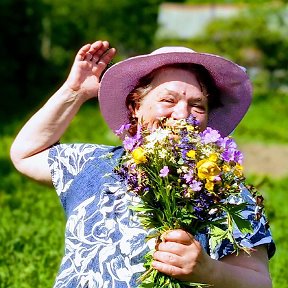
175,94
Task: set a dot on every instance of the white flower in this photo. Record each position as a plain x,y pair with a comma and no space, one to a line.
157,136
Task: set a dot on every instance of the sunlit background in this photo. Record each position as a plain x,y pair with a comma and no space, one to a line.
39,39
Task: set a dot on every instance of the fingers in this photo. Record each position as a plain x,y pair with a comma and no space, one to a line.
97,53
168,258
106,58
173,265
178,236
168,269
172,247
82,52
179,255
176,242
97,49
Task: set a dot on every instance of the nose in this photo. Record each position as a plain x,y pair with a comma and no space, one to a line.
181,111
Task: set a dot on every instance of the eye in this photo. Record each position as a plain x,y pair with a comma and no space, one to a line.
199,108
168,99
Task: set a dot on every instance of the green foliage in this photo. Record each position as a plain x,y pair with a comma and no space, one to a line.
40,40
252,37
31,229
230,1
255,38
89,127
267,113
21,61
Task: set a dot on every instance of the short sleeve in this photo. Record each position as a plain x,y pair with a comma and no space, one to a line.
261,234
66,161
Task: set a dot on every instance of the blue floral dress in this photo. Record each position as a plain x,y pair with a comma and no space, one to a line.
104,240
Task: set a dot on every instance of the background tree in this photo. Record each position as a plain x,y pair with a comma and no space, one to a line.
41,36
257,38
20,53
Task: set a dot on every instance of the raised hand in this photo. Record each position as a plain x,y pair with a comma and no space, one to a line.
89,64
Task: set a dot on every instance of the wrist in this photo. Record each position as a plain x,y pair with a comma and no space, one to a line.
72,95
208,270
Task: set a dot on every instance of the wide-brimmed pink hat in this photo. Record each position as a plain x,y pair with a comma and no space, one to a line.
231,80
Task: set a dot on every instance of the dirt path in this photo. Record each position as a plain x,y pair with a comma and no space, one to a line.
270,160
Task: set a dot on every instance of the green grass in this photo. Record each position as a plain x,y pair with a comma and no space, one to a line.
266,120
274,192
32,221
31,229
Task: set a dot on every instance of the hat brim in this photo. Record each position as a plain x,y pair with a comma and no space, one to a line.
232,82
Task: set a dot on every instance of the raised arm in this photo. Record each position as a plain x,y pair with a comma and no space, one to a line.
29,151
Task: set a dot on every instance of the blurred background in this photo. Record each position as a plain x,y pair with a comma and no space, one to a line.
39,39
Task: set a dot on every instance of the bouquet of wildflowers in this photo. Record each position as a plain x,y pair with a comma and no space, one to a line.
184,178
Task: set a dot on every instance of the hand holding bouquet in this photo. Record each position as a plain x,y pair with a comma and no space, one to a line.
185,179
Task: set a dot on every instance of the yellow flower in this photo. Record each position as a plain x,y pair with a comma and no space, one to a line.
138,155
191,154
226,168
238,170
209,185
207,169
190,128
213,157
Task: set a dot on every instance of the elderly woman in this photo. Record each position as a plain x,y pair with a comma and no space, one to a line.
105,244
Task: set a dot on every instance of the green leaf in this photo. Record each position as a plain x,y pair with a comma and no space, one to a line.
217,236
234,211
243,225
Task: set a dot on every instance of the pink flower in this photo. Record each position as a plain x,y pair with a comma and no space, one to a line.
164,171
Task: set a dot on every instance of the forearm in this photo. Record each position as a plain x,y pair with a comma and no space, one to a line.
46,126
224,275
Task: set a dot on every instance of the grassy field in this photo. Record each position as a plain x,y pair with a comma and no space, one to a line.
32,221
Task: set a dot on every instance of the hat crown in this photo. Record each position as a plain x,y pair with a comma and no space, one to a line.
171,49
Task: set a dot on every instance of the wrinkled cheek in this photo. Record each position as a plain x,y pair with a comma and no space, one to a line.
153,114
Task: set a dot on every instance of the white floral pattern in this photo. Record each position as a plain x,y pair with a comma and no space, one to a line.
104,241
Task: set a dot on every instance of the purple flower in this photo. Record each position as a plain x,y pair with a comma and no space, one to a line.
210,135
191,119
189,176
232,154
227,155
203,204
130,143
185,146
195,185
227,143
217,178
238,156
124,128
164,171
